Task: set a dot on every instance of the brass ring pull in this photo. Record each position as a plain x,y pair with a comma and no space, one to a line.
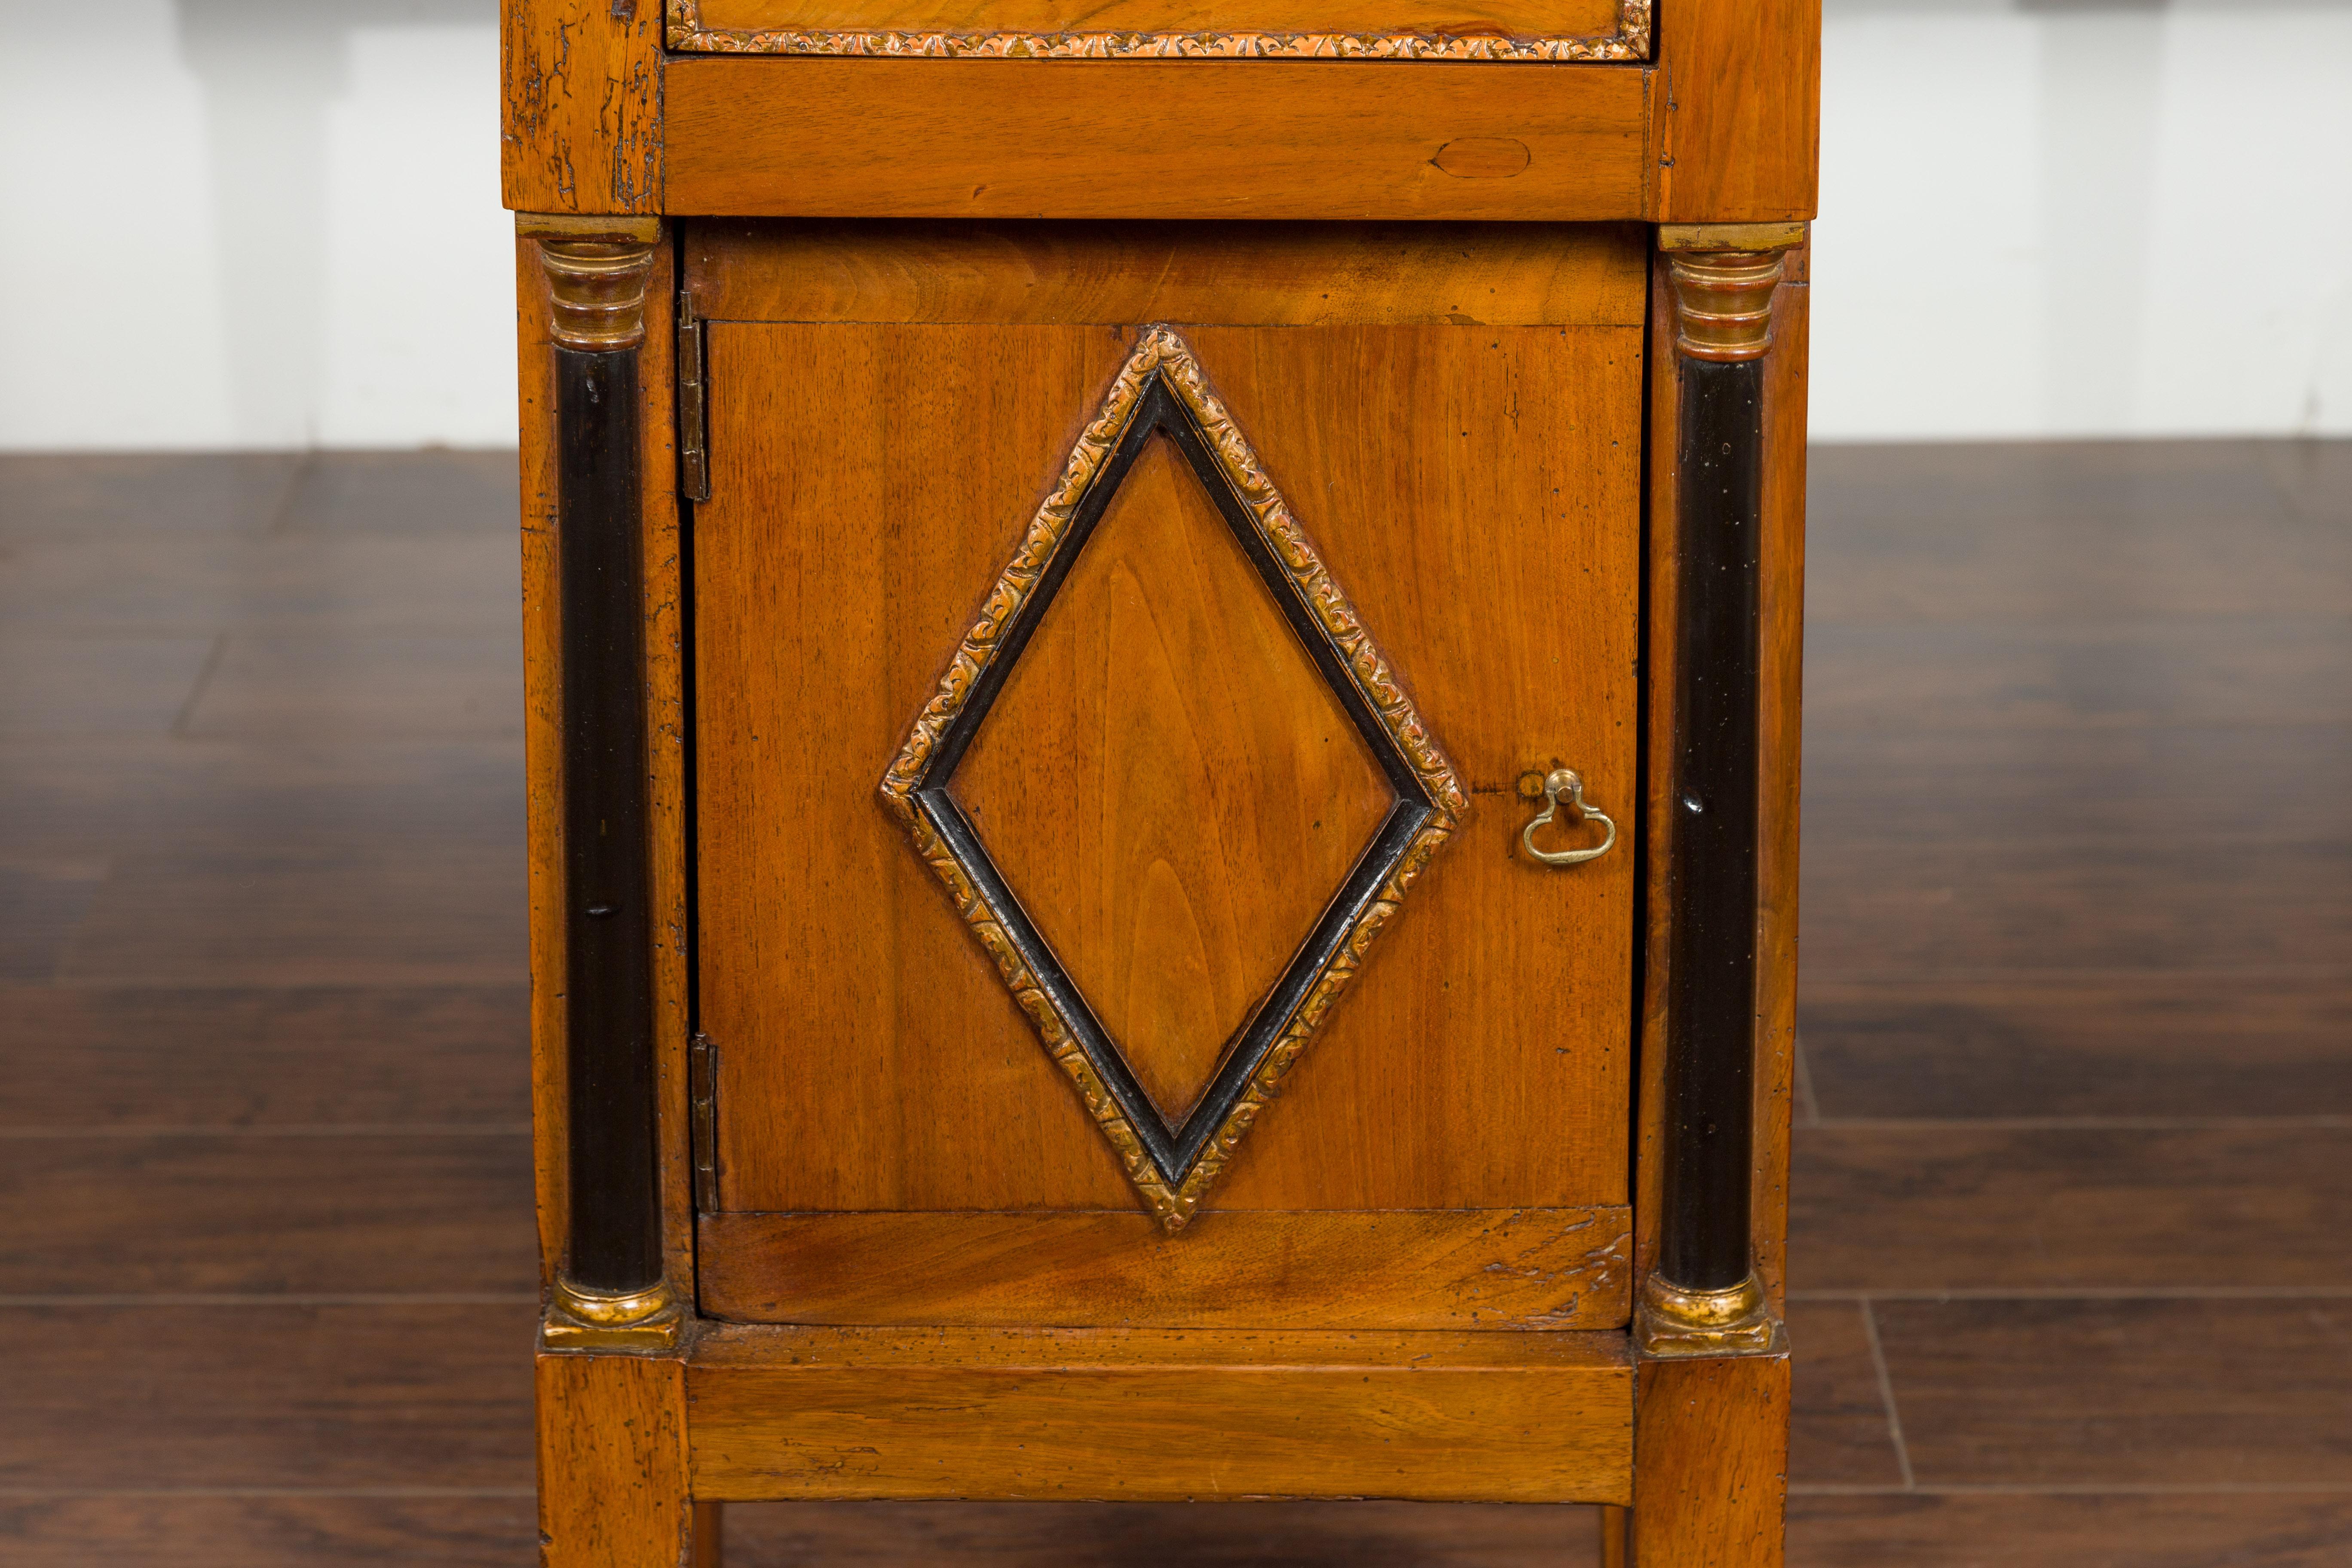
1566,782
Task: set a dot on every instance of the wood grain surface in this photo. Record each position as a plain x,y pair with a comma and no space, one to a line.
1711,1461
1840,1433
2068,1206
1140,1416
319,1209
1159,138
1740,111
271,1531
2083,1047
1230,1535
613,1490
1532,1268
1507,608
1167,783
161,1395
2095,1395
1931,1530
164,1058
582,128
1266,274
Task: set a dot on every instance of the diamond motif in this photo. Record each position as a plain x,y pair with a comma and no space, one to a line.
1161,392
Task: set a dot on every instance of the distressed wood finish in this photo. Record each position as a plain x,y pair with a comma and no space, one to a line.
1156,139
1259,274
666,761
1530,1268
1711,1462
613,1490
1526,1104
1134,1416
582,128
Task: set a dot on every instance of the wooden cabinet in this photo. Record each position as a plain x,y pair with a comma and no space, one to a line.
1208,908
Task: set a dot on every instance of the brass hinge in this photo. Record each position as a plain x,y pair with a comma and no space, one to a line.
693,407
702,1094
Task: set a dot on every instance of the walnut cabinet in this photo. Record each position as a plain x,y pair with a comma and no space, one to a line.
1162,648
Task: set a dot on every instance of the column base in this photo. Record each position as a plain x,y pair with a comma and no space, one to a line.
578,1319
1674,1321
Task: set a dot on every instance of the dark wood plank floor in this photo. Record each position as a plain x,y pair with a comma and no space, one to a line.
2074,1162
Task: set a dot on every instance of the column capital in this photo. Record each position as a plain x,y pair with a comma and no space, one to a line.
1723,275
596,270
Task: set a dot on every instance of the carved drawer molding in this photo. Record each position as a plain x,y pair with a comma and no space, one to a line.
1554,30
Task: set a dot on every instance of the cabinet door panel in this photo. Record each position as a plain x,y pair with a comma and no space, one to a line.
1169,789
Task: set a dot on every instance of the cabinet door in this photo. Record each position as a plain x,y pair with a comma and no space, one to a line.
1118,655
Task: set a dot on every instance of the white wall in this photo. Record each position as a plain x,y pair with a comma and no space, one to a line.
253,223
275,223
2084,217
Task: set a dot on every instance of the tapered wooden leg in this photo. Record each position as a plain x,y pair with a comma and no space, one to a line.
612,1465
1613,1546
1710,1462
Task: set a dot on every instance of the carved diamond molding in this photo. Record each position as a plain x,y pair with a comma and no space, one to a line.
1160,390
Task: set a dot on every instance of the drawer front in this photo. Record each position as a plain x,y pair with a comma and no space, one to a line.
1119,653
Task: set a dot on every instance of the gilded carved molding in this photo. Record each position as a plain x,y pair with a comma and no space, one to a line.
1630,41
1161,356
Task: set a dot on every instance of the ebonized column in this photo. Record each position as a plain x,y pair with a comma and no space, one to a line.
1702,1297
609,1291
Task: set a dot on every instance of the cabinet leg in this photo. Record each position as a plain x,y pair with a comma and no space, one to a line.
612,1465
1612,1537
1710,1462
